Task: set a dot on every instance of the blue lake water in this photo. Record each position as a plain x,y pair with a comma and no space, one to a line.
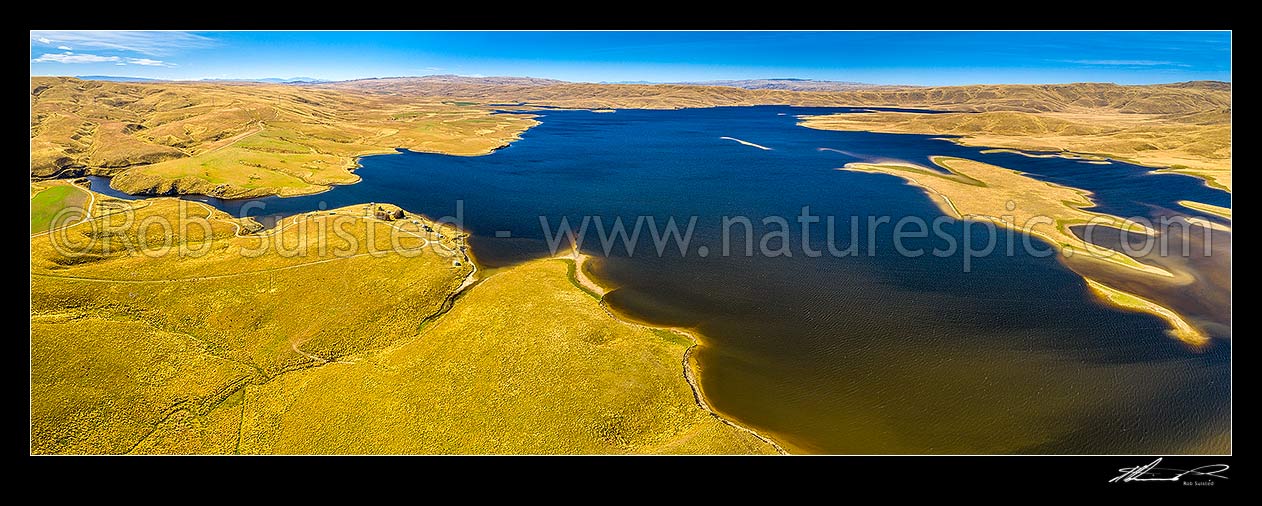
870,353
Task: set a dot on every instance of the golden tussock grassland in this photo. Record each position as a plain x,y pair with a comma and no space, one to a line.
214,336
223,349
1197,144
1181,98
242,139
246,139
525,362
1221,212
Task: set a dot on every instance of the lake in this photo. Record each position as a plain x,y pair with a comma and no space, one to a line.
874,352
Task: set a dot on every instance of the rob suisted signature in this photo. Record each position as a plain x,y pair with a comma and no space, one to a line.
1151,472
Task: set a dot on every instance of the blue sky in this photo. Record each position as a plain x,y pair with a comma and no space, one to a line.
921,58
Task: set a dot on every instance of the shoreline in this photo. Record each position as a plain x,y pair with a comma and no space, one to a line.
259,193
1209,170
585,283
1177,324
698,395
1221,212
1062,224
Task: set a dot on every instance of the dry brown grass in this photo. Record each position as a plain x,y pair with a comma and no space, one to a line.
1177,98
1182,98
1183,127
1221,212
1198,144
240,140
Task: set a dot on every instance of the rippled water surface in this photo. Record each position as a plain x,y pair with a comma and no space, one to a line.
870,353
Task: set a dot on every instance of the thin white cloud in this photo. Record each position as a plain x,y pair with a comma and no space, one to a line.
433,69
149,62
152,43
1127,63
65,48
68,57
121,64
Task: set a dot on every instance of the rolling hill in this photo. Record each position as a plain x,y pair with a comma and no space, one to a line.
239,139
229,347
253,139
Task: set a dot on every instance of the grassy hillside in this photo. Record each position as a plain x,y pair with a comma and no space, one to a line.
250,139
526,362
125,337
1178,98
1197,144
316,345
1156,99
239,139
1183,127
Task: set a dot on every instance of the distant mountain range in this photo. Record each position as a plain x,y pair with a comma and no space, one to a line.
787,84
790,84
274,80
454,84
455,79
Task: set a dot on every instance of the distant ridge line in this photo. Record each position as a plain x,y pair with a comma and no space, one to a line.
779,83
